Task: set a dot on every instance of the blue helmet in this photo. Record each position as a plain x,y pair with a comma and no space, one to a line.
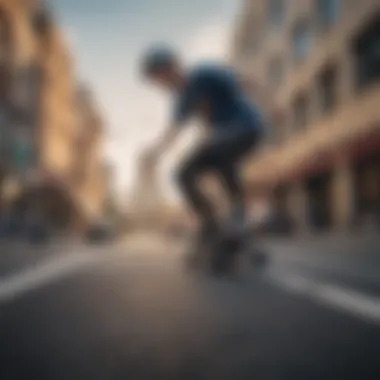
156,58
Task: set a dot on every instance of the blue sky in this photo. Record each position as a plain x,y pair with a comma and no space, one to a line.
107,38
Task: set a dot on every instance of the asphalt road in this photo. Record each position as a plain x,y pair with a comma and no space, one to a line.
132,312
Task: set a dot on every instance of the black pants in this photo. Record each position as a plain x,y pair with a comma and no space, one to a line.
221,156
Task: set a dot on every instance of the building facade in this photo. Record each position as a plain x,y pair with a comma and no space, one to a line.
91,175
147,202
41,118
321,165
21,82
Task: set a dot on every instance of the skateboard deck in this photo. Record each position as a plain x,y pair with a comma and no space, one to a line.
227,251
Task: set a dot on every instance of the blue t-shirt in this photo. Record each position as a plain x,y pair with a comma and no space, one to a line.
220,88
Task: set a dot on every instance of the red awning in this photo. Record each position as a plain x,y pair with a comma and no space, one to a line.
313,164
356,148
363,146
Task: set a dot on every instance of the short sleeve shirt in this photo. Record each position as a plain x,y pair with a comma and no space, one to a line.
219,87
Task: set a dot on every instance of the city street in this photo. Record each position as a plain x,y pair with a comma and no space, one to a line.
272,130
133,312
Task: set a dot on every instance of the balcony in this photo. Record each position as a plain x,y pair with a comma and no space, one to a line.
42,23
320,147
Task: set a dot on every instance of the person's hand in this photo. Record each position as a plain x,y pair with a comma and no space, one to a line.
153,153
150,156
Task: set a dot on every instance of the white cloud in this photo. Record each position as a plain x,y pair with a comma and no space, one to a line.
210,42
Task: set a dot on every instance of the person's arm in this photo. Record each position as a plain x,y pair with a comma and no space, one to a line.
165,141
183,110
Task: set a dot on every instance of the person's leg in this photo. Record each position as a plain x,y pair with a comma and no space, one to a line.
232,183
188,179
221,156
231,152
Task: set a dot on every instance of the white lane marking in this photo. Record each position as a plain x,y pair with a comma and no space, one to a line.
368,272
41,275
297,284
51,270
356,303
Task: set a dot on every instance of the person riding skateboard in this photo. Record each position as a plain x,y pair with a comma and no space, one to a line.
219,97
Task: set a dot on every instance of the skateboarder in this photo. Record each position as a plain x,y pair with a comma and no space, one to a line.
218,96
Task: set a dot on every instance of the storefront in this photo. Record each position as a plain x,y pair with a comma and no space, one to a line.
5,84
318,187
365,158
57,205
282,219
305,198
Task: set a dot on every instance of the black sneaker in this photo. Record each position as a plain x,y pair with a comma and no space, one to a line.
238,216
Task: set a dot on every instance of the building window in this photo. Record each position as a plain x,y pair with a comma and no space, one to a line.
5,83
276,12
367,54
327,13
42,23
250,40
253,44
300,112
23,152
254,37
327,89
278,132
5,36
301,40
272,137
275,72
27,86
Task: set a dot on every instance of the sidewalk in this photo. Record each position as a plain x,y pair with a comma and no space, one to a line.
347,259
356,253
360,242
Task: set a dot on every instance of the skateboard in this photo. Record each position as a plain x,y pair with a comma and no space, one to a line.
224,254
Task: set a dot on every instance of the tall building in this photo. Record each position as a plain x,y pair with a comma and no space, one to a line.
321,58
21,82
90,174
147,203
44,137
